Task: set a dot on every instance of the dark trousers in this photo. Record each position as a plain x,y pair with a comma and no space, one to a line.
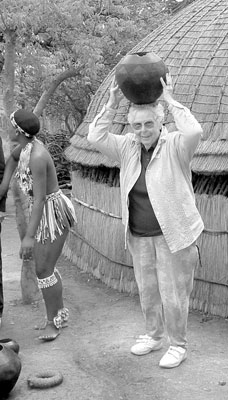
1,279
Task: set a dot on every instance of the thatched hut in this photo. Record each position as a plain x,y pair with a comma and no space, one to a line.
194,46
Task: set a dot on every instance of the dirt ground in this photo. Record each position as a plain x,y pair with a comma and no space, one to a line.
93,353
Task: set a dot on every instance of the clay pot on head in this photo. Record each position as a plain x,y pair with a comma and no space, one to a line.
10,344
138,76
10,368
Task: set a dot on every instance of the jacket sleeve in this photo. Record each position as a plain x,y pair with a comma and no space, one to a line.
190,131
2,169
100,136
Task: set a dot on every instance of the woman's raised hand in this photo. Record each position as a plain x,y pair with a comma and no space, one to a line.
167,87
115,95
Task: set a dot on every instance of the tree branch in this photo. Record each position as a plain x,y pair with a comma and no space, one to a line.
53,86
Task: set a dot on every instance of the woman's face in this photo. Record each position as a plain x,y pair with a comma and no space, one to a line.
146,127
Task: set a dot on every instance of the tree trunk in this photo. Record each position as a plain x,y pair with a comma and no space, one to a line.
30,291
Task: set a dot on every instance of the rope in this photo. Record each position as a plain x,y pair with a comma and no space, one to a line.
95,208
212,232
131,266
98,251
91,207
210,281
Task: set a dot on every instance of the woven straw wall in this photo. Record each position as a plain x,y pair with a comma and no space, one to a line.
96,243
210,292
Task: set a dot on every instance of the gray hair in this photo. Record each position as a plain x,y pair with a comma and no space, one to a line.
155,109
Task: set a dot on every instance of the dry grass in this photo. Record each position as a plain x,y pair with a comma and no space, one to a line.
96,244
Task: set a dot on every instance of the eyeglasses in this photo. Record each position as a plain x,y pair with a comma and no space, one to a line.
138,125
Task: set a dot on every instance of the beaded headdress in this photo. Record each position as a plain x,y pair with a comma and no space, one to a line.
25,122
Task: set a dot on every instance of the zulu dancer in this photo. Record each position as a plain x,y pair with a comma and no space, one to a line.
51,215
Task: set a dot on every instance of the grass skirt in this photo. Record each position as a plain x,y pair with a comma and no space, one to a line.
58,214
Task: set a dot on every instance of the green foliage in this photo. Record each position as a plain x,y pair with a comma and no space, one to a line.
90,36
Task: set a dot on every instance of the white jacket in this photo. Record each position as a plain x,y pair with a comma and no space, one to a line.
168,175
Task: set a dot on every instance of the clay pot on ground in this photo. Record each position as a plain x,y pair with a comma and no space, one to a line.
138,76
10,368
10,344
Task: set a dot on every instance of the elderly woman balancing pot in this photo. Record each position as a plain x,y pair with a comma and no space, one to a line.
159,213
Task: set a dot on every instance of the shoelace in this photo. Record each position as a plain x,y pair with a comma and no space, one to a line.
143,338
174,352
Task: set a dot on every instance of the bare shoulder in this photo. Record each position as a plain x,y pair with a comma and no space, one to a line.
40,155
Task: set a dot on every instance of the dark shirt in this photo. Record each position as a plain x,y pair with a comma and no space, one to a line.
142,220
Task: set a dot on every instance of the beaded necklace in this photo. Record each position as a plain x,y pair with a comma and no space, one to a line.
23,172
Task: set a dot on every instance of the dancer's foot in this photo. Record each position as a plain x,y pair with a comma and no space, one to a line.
43,325
50,332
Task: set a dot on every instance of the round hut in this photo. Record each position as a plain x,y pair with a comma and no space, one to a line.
194,46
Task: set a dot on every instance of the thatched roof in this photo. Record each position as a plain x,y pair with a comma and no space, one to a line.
194,46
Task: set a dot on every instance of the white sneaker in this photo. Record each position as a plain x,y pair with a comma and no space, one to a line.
145,344
173,357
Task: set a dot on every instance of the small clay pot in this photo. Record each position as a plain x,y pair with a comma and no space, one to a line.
10,344
10,368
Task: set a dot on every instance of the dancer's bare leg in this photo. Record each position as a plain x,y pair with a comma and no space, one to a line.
46,256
